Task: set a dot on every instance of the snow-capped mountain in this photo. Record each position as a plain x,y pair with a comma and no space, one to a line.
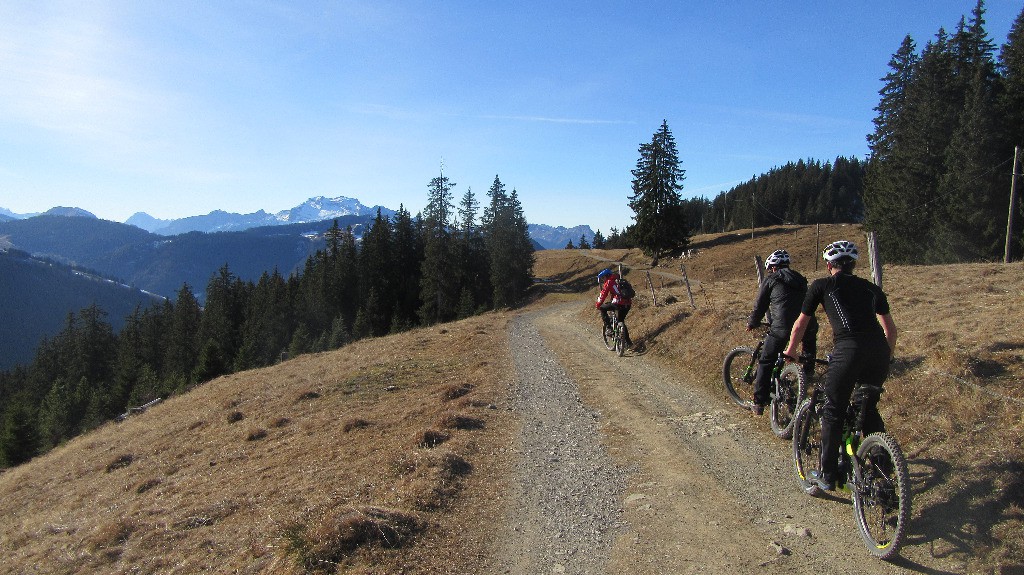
315,209
556,238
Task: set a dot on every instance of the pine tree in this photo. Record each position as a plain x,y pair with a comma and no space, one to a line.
1011,112
408,255
657,182
438,268
19,434
970,227
598,240
507,237
181,340
584,245
378,275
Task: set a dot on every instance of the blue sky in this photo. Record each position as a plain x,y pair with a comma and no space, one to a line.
178,108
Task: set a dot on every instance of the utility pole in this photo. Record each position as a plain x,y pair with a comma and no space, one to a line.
1013,212
753,207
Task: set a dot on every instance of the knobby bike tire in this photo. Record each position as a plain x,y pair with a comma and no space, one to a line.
788,396
620,343
735,376
609,340
881,496
807,446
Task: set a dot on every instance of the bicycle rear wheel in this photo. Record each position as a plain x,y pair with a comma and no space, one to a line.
881,495
807,446
738,372
788,395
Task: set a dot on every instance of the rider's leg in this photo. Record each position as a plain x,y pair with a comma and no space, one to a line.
605,308
621,313
839,381
773,346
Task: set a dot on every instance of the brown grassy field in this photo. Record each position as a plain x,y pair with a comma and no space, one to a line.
385,456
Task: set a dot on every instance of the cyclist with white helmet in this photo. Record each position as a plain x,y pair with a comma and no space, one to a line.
782,293
865,337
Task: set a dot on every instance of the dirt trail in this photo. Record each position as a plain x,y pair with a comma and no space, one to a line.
700,488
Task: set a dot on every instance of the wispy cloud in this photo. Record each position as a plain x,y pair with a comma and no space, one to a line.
554,120
63,71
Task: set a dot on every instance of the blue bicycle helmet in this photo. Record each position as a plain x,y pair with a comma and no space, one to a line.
603,274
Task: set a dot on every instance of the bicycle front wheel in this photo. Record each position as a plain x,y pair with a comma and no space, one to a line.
738,372
807,446
881,494
609,338
789,392
620,342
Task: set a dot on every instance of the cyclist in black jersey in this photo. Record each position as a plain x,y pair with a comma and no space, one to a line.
865,337
782,292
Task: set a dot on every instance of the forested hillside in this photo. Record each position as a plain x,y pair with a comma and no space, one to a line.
36,298
451,264
802,192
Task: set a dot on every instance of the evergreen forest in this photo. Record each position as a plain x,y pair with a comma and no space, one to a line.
938,179
451,261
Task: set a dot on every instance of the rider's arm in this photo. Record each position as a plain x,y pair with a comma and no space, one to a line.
764,299
889,327
607,287
797,336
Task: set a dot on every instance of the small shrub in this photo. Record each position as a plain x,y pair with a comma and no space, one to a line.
120,462
256,435
147,485
431,438
235,416
460,421
322,546
110,535
456,391
431,480
354,423
308,395
280,422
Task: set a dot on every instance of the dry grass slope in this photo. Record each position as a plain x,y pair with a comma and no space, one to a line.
386,456
316,463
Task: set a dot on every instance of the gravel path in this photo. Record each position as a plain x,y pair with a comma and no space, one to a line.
569,489
624,469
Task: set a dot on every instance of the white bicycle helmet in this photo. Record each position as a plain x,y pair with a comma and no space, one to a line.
777,258
838,250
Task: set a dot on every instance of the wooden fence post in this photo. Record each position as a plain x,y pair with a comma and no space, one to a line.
875,259
650,284
1011,215
686,281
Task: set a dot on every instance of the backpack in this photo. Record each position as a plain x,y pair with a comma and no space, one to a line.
625,288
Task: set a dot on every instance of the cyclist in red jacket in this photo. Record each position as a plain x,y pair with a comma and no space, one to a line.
618,303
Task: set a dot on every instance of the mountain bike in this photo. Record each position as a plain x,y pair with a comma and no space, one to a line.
787,385
614,336
872,468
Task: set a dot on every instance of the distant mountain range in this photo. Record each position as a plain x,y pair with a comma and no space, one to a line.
316,209
66,259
